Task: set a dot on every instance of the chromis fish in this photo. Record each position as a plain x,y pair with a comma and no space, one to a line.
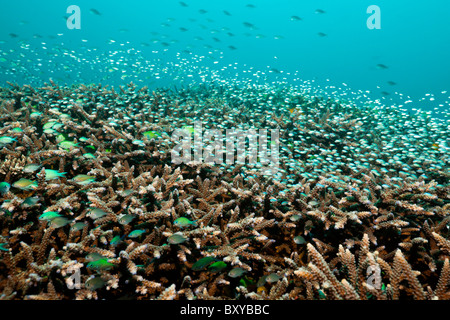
7,140
236,272
116,240
49,215
3,247
138,143
299,240
25,184
49,125
83,179
59,222
35,114
126,219
94,256
95,283
151,134
67,144
78,226
176,238
184,222
96,213
51,174
100,264
217,266
32,167
136,233
273,277
88,155
4,187
189,129
202,263
30,201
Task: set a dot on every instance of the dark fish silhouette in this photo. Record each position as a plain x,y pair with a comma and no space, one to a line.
95,11
296,18
249,25
382,66
226,13
320,11
321,34
183,4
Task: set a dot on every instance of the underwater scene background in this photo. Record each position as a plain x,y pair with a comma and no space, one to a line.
122,175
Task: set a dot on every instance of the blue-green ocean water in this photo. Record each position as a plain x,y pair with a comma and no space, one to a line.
123,41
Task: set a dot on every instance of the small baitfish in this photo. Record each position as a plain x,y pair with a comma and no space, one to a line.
183,222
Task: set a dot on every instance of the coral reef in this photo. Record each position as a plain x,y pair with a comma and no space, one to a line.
359,210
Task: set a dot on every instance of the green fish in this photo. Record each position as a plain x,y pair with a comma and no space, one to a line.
184,222
17,130
95,283
7,140
83,179
295,217
236,272
202,263
51,174
138,143
78,226
4,187
189,129
136,233
126,219
176,239
245,282
68,144
96,213
2,247
94,256
83,139
35,114
89,156
116,240
273,277
49,131
30,168
59,222
25,184
100,264
217,266
30,201
49,216
49,125
299,240
151,134
56,126
60,138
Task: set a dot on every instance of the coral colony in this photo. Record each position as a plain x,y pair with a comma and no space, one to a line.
100,199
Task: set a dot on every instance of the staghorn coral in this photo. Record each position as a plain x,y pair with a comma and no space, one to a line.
351,221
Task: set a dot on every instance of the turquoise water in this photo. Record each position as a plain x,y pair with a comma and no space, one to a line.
413,42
